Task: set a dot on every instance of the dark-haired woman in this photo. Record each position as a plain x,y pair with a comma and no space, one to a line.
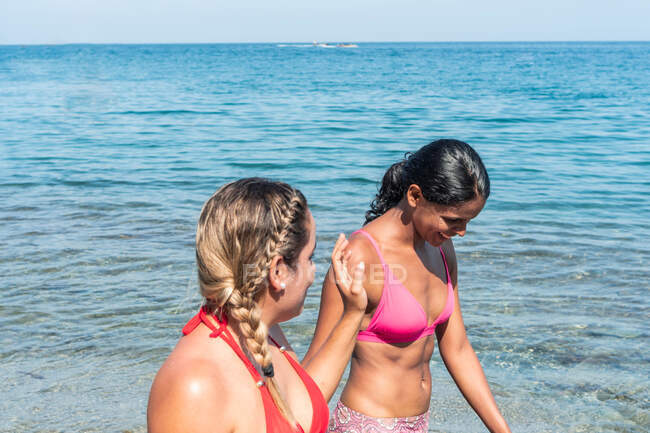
411,279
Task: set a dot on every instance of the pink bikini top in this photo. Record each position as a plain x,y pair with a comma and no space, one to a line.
399,317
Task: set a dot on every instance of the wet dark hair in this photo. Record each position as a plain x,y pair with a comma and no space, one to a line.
449,172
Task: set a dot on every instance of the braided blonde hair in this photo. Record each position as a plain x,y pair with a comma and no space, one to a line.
242,227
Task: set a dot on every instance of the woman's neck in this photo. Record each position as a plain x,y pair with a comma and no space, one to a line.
399,226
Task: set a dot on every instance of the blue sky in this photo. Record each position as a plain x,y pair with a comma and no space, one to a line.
143,21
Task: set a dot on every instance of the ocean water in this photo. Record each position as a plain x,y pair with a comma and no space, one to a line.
107,153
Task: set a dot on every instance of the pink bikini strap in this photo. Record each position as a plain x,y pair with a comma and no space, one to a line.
374,244
446,267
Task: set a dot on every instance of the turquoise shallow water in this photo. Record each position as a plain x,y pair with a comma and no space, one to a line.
108,152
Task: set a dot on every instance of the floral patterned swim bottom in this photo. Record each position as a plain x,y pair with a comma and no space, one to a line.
346,420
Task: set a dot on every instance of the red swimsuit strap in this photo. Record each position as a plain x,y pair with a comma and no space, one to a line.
295,364
223,332
275,422
304,376
320,411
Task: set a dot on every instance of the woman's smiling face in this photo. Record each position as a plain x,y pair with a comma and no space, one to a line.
437,223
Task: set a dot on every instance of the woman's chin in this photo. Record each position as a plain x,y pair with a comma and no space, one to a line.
437,240
288,315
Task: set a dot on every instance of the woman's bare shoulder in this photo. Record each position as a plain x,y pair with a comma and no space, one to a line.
362,249
190,391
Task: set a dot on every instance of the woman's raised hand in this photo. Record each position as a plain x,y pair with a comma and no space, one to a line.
350,285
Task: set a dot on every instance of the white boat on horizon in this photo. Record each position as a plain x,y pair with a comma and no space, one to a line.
339,45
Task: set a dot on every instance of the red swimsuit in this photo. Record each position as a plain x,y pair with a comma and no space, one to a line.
275,422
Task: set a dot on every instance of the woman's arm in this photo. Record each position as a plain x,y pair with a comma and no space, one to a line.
343,305
461,361
328,365
331,311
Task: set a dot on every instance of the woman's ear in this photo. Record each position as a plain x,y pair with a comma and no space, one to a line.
414,195
278,274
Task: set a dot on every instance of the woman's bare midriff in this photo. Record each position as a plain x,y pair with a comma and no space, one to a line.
390,380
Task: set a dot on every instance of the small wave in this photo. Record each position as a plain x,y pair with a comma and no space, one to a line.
338,129
184,169
32,375
167,112
527,170
591,95
294,45
19,184
347,110
140,204
507,120
260,165
97,182
23,208
357,180
636,163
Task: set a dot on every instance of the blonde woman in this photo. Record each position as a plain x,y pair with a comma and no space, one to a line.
234,370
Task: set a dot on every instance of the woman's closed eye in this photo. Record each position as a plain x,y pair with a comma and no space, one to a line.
453,220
